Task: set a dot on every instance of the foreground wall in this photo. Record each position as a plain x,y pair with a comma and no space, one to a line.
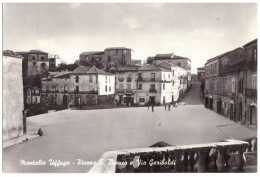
12,97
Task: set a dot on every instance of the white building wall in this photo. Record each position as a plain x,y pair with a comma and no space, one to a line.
106,84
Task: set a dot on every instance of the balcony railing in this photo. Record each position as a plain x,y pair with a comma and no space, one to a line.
251,93
210,157
152,90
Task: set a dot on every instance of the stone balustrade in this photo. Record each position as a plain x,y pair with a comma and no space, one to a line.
210,157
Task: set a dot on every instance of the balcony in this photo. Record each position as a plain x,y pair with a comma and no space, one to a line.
121,79
176,159
251,93
129,79
152,90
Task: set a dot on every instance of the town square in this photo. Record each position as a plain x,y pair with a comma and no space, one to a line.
100,88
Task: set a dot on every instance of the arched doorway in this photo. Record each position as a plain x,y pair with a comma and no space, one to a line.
253,115
240,109
65,100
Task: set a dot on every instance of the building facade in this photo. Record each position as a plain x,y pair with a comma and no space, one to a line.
200,73
13,104
83,86
154,85
126,85
182,62
230,84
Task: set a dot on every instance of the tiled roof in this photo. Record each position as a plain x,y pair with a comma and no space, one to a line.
37,51
167,65
127,68
89,70
222,55
92,53
120,48
152,67
168,56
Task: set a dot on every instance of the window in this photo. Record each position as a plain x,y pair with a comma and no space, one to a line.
47,88
121,86
77,79
110,88
172,83
254,55
216,67
241,85
35,99
172,72
106,88
233,85
34,63
65,88
77,89
163,86
106,79
43,65
169,76
42,58
33,57
141,100
163,99
128,86
152,76
179,64
140,86
254,82
152,86
90,79
140,75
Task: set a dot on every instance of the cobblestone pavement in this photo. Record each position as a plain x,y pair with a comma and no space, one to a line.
82,134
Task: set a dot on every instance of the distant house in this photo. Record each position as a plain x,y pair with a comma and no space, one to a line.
13,103
174,59
200,73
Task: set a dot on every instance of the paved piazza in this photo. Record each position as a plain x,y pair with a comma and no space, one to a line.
86,135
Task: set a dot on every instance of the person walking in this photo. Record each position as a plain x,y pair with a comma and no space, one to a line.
148,104
169,107
165,106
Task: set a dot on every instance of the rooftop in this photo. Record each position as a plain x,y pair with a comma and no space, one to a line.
92,53
250,43
152,67
127,68
168,56
11,53
117,48
89,70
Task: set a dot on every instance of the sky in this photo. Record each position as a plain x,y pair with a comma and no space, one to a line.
196,31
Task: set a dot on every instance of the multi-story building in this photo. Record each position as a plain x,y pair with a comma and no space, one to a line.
126,85
174,59
110,57
251,82
225,84
83,86
35,62
154,85
54,61
13,104
179,79
118,56
33,96
92,57
200,73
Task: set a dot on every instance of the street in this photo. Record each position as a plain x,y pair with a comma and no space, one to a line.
82,134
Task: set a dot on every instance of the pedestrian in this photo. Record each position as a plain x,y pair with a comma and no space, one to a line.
176,104
40,132
152,108
169,107
165,106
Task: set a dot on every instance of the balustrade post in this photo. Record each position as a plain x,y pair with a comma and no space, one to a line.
191,162
241,159
129,166
178,163
220,160
200,165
